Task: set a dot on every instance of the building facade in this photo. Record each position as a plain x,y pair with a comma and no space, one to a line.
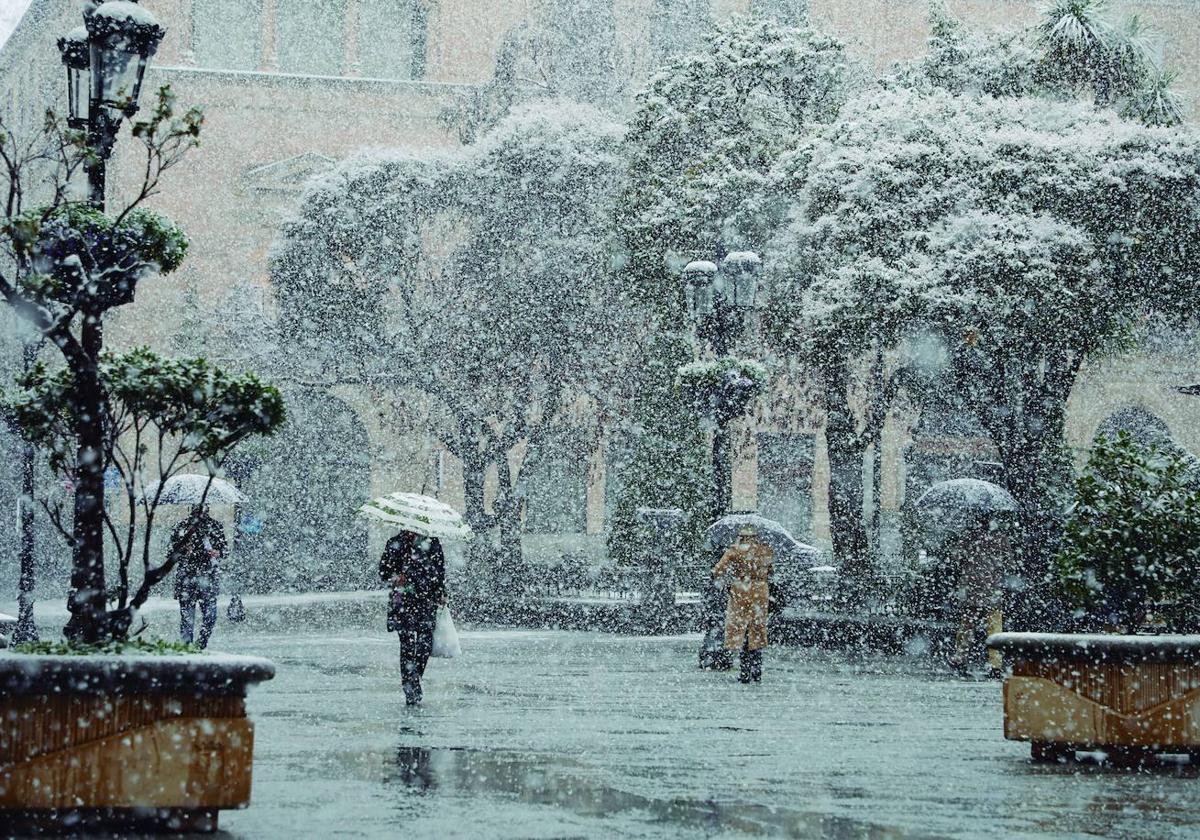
289,87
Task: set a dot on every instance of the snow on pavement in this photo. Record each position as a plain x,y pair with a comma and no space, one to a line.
558,734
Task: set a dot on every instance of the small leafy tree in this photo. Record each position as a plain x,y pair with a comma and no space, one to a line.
1132,539
63,266
161,418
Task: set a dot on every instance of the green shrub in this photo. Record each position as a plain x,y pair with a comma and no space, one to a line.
1132,540
155,647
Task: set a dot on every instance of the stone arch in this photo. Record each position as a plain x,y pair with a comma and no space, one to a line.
300,532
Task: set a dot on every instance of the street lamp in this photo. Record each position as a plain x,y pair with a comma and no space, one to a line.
698,279
106,62
742,270
719,301
77,59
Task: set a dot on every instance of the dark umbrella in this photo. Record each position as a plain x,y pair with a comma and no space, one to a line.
949,508
722,533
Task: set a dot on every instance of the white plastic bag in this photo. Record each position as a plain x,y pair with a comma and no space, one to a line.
445,636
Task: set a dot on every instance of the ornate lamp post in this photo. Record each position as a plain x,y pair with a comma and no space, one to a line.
720,299
106,62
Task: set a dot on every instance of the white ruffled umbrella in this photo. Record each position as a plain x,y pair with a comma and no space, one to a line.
422,515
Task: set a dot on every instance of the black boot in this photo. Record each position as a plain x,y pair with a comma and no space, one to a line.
751,666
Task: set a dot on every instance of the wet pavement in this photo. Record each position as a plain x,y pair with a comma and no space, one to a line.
559,734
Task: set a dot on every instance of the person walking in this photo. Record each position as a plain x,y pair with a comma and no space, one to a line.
747,564
197,546
983,553
415,568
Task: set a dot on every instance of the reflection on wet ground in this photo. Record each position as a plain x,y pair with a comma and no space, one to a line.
553,735
546,780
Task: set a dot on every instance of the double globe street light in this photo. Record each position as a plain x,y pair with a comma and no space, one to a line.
720,300
106,61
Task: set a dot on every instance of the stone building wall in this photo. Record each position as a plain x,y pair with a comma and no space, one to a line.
269,127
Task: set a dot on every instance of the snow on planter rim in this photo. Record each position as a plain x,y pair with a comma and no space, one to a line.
123,674
1098,647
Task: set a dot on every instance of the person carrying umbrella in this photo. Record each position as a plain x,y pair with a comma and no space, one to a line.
414,566
970,520
747,563
788,551
197,546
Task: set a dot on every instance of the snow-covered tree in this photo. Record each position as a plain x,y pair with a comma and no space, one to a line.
677,26
566,49
1076,49
708,129
476,281
1030,234
792,12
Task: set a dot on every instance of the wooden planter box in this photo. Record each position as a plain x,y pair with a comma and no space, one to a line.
125,741
1126,695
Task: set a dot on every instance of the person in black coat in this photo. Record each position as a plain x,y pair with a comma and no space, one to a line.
415,568
197,546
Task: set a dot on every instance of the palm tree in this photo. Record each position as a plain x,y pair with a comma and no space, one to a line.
1155,103
1083,50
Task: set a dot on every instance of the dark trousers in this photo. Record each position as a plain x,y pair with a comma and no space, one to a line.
713,656
752,661
416,642
187,619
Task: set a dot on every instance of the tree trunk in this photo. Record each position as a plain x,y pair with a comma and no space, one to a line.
510,557
1032,453
846,514
508,514
87,601
26,630
480,550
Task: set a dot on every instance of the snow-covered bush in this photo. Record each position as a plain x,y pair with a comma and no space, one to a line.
721,389
1132,542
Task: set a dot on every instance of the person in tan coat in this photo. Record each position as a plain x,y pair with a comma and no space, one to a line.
747,564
